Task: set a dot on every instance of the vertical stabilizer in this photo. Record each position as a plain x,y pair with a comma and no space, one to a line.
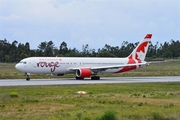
139,53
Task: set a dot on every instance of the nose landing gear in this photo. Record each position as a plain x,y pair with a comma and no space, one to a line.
27,76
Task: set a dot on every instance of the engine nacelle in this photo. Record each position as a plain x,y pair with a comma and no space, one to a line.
57,74
83,72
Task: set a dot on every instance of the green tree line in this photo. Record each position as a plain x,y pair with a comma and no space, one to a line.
14,52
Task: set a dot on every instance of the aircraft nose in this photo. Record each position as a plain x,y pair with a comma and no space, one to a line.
17,66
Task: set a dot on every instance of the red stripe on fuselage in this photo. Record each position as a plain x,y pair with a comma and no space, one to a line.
130,61
127,69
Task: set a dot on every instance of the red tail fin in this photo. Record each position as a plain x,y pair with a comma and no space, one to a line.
139,53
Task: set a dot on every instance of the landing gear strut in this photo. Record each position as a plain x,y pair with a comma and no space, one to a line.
94,76
27,76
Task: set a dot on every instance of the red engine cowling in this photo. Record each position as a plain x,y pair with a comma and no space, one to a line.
83,72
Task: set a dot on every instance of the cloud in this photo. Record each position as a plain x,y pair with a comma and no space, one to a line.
93,22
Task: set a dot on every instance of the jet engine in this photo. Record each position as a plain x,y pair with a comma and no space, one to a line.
83,72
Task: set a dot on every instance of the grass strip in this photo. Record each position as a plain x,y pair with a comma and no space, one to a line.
123,101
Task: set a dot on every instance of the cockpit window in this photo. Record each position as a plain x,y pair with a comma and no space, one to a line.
22,62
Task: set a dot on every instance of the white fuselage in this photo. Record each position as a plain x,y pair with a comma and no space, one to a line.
62,65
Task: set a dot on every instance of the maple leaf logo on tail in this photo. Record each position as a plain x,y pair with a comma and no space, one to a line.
139,53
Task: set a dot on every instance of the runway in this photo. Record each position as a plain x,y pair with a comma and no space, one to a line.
72,81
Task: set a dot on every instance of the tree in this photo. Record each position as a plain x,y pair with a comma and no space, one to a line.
63,49
85,50
49,50
13,51
42,46
46,49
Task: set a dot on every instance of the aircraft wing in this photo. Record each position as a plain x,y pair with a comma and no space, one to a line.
103,68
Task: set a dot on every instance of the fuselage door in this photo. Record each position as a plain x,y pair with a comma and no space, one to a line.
34,64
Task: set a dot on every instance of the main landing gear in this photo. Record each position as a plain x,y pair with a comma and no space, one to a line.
92,78
27,76
79,78
95,78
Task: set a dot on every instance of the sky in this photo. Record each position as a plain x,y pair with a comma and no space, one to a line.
92,22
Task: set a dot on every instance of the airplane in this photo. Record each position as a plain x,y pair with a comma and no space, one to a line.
84,67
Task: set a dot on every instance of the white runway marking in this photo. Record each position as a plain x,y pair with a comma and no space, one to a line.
72,81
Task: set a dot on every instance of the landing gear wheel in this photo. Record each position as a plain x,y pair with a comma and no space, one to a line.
27,76
28,79
95,78
79,78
